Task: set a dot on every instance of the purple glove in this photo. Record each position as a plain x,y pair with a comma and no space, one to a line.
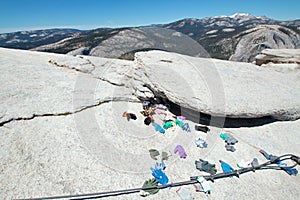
180,151
181,118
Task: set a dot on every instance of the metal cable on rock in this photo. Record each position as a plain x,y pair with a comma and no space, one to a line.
192,180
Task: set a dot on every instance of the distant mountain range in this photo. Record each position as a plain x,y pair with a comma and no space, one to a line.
36,38
239,37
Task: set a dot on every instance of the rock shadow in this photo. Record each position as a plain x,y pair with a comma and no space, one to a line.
221,122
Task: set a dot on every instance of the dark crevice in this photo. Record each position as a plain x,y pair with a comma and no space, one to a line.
51,114
209,120
57,114
206,119
222,122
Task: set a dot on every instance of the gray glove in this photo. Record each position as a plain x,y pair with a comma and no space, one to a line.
231,140
229,148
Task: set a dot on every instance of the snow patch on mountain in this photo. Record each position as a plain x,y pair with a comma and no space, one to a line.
239,15
228,29
211,32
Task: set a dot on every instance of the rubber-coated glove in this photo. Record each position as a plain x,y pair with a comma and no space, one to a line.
291,171
159,166
180,151
226,167
186,127
231,140
201,143
178,122
157,127
224,136
160,176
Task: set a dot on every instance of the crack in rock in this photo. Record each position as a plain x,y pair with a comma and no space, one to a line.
115,99
84,71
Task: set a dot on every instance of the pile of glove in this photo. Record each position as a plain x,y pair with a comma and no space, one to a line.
155,153
229,140
289,170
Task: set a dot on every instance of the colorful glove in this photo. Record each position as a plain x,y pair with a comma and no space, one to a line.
159,176
186,127
159,166
157,127
168,124
178,122
291,171
201,143
180,151
226,167
224,136
181,118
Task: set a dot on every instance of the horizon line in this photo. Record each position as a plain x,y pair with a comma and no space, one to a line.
93,26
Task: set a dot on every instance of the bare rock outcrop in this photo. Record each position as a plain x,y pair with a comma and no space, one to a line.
62,130
36,84
281,56
221,88
127,42
254,40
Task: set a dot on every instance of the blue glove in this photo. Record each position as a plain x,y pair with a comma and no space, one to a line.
159,128
186,127
226,167
291,171
224,136
159,166
160,176
201,143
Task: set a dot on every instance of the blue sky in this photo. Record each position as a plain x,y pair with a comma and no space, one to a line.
18,15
